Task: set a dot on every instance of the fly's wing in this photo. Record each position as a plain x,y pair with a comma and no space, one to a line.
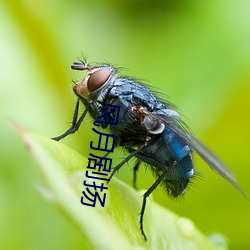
175,124
212,160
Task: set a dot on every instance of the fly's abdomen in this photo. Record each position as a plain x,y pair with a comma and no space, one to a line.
171,155
178,176
180,166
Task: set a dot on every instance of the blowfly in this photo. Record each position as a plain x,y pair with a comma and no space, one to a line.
149,128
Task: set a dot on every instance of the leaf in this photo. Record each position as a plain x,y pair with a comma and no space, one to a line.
116,225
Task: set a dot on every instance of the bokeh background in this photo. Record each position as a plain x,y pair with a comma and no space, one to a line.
197,53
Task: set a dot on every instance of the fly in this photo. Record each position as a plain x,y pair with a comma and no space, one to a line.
149,128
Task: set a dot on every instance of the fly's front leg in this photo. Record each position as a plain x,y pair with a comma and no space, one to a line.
145,196
75,123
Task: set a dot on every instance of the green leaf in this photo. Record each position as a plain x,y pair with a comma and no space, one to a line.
116,225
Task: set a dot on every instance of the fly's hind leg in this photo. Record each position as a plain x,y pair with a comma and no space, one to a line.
145,196
136,167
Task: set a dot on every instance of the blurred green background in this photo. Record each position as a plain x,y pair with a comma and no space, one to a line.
196,53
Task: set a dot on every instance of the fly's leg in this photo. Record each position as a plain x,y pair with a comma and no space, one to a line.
136,167
145,196
106,154
126,159
75,123
98,162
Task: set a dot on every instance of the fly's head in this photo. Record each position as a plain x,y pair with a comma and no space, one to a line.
95,81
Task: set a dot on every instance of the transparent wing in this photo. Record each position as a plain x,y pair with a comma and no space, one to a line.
175,124
207,155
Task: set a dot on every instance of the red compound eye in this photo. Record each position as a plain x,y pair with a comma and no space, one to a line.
97,79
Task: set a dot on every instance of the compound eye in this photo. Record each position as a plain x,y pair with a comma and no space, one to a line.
97,79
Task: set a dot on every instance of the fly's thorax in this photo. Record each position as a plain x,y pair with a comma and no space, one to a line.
154,122
152,125
95,84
